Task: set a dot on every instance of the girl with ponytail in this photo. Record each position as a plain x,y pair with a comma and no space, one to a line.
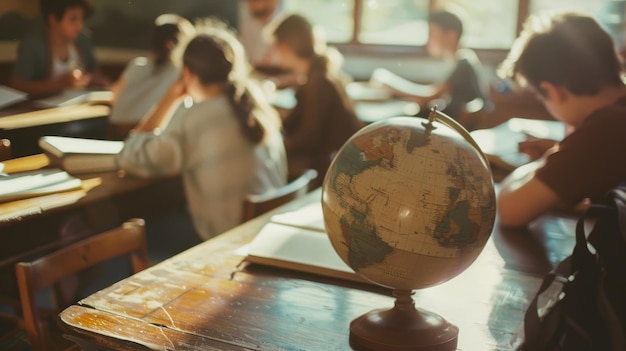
324,116
224,138
146,79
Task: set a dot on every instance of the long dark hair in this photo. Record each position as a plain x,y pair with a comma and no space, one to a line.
306,41
215,56
167,29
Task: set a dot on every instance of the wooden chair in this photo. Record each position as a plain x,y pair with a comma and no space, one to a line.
128,240
255,205
5,149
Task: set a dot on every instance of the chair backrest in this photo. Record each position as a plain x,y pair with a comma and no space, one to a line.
255,205
45,272
5,149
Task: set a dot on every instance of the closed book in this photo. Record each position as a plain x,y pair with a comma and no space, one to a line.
78,155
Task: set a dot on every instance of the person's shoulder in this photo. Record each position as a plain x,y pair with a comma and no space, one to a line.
36,38
466,55
610,118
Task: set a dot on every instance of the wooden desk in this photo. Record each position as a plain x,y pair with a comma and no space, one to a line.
24,124
32,226
201,300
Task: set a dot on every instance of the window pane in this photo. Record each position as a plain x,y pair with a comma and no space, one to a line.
610,13
399,22
334,16
487,24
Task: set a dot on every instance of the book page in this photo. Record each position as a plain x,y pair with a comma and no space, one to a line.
298,249
36,183
309,217
61,146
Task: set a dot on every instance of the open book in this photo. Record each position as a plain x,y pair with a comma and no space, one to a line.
500,143
78,155
297,241
36,183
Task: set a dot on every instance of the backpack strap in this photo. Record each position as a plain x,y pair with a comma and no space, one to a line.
618,196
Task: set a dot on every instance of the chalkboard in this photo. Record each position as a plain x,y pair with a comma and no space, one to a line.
128,23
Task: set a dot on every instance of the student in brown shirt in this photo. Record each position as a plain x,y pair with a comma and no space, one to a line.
323,118
572,65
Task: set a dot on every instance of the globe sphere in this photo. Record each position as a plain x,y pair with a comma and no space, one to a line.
408,203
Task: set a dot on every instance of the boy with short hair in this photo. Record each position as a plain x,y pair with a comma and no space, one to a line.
572,65
465,83
59,57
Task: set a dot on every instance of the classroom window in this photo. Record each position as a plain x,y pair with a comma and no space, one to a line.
610,13
488,24
334,16
394,22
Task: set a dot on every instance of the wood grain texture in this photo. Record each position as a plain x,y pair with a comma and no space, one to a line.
203,298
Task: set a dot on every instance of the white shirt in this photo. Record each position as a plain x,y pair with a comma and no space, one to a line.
143,87
62,67
251,35
218,164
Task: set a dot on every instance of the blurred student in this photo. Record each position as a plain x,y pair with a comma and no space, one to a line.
323,118
572,65
226,145
59,57
254,16
465,83
146,79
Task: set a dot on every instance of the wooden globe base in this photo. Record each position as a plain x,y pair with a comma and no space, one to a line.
403,327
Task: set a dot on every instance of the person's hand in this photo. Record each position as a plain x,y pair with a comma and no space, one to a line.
536,147
80,80
73,79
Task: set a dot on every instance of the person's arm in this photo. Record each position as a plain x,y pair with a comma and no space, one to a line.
523,197
117,87
38,88
310,108
399,86
159,116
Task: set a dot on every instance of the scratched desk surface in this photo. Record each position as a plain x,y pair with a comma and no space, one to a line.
203,299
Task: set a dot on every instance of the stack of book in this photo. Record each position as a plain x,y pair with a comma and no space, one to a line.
78,155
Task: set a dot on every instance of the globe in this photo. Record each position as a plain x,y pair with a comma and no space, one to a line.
409,202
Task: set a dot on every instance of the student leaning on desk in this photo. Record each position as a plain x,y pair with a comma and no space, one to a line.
146,79
572,65
226,145
60,56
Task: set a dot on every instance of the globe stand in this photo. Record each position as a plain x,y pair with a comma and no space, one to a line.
403,327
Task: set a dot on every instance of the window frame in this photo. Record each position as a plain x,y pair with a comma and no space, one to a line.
354,46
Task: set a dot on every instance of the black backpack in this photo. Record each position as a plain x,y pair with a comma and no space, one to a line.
588,310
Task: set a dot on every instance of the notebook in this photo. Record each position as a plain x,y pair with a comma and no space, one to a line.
36,183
